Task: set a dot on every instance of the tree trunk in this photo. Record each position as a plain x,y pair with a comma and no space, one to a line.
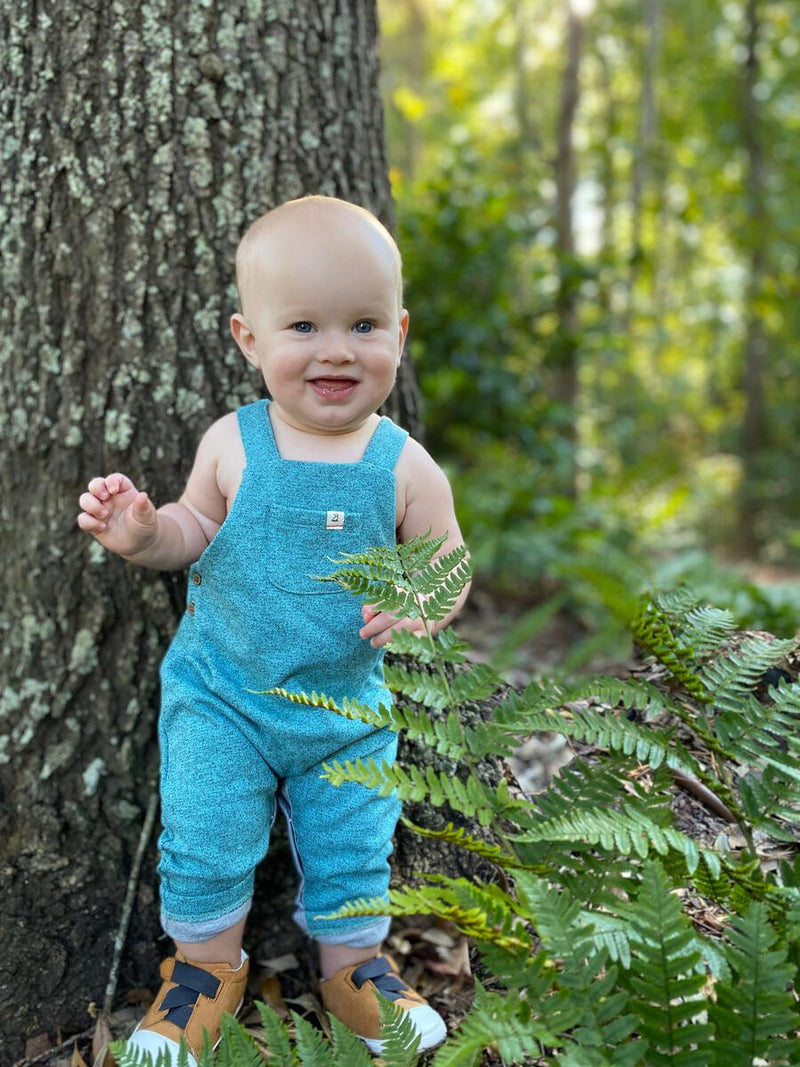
139,141
754,432
564,355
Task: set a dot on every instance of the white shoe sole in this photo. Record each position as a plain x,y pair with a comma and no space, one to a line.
150,1041
427,1023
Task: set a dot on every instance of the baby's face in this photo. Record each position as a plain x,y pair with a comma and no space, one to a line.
321,301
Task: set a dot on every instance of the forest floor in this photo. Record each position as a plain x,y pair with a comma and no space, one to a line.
434,957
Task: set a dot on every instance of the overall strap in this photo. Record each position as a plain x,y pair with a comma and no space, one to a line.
257,437
385,445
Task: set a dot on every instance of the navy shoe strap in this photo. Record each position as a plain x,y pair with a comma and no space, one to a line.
192,982
380,973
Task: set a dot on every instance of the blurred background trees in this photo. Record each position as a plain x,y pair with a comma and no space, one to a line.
598,211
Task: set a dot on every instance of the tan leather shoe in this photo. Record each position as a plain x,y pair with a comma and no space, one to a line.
192,999
350,996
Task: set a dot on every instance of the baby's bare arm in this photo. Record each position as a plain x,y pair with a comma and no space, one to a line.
428,500
125,521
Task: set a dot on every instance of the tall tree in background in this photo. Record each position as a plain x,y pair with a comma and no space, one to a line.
564,354
139,140
754,432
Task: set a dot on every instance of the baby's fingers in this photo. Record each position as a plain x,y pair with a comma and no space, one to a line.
118,483
90,524
95,507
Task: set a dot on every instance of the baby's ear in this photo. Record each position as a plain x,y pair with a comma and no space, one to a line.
244,337
403,330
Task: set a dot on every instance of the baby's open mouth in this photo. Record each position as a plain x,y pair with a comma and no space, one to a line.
333,387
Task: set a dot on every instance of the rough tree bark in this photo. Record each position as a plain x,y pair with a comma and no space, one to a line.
139,139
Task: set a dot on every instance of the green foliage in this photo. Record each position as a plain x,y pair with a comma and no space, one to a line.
587,932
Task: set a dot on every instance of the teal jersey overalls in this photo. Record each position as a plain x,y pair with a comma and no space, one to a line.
257,618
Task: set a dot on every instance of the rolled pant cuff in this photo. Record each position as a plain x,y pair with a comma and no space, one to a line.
203,929
354,937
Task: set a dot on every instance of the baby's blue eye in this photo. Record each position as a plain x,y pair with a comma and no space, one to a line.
364,326
302,327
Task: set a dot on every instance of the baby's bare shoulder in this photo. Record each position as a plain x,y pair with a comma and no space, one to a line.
416,462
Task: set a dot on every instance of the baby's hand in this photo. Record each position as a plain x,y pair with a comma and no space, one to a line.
121,518
380,625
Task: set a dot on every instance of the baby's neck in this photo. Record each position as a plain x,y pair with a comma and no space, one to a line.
296,443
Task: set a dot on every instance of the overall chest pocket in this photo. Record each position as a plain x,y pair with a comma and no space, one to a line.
301,543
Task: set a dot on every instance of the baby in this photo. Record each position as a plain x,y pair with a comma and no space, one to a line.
277,489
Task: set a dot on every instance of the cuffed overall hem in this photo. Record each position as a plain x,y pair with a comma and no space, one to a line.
343,933
203,929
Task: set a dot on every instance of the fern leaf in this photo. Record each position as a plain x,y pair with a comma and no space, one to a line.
752,1014
428,689
739,671
705,628
277,1037
470,797
447,646
605,730
458,836
664,976
506,1024
127,1056
486,921
374,588
348,1050
313,1048
348,709
236,1047
627,832
651,629
400,1039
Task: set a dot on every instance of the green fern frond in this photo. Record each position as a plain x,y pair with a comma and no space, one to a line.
348,1050
276,1033
400,1039
447,646
664,977
603,1027
313,1048
496,1022
236,1047
752,1014
373,587
627,832
739,670
494,925
444,735
434,691
555,914
470,797
767,797
458,836
754,733
127,1056
431,690
651,630
606,731
581,785
704,629
405,579
416,554
348,709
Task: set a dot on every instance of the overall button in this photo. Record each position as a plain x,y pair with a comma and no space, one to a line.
197,578
190,608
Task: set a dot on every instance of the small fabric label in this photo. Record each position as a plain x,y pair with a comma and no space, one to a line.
335,520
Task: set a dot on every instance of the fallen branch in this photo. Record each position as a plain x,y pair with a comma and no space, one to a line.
127,909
